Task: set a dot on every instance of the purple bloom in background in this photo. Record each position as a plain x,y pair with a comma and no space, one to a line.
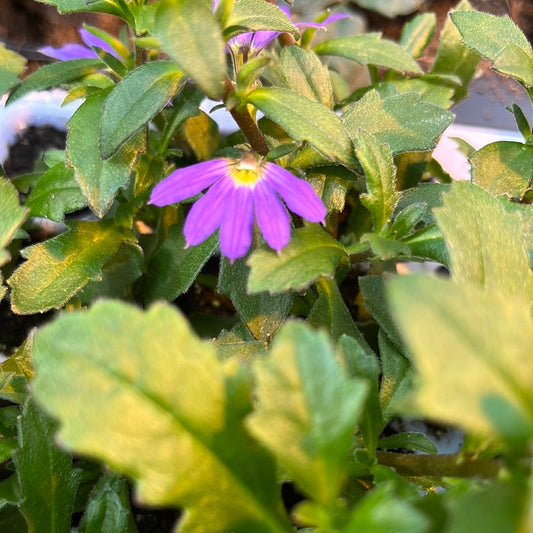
80,51
237,189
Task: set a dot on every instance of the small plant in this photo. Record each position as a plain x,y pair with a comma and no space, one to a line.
228,320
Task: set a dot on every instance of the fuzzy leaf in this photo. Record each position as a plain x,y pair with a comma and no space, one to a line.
135,101
99,180
71,6
417,34
56,193
486,335
485,242
12,215
310,254
11,66
516,62
376,160
370,49
191,36
503,167
47,480
305,120
175,396
57,269
296,388
404,122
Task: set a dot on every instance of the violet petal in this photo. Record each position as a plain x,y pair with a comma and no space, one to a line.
296,193
69,52
236,228
189,181
92,40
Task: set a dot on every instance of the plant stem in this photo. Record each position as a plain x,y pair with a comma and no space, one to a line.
440,465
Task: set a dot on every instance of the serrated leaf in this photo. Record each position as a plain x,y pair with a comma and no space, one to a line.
134,101
11,66
381,196
54,75
305,120
56,193
310,254
262,312
71,6
99,180
191,36
485,242
57,269
370,49
417,33
108,508
487,335
488,35
12,215
258,15
516,62
503,167
47,479
174,266
404,122
188,407
302,71
296,388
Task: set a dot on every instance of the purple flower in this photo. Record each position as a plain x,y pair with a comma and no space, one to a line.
80,51
237,189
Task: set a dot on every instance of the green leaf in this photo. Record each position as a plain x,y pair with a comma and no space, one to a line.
54,75
305,120
99,180
57,269
262,312
376,160
417,34
174,266
253,15
301,71
108,508
386,248
56,193
47,479
409,441
453,57
71,6
488,35
310,254
428,244
11,66
404,122
484,241
191,36
118,274
16,372
468,345
202,135
12,215
135,101
370,49
94,364
516,62
390,8
503,167
406,220
296,388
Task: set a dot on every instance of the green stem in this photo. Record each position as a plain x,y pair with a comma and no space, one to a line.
440,465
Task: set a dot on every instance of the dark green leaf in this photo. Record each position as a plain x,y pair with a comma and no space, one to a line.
310,254
58,268
135,101
47,479
191,36
99,180
305,120
370,49
189,408
56,193
409,441
262,312
428,244
407,219
16,372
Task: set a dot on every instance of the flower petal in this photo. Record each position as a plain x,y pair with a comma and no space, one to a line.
92,40
272,217
68,52
189,181
207,213
236,228
261,39
296,193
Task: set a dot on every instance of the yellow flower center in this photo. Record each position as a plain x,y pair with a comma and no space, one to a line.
247,171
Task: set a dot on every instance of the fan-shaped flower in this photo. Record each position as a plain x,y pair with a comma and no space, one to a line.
237,189
79,51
